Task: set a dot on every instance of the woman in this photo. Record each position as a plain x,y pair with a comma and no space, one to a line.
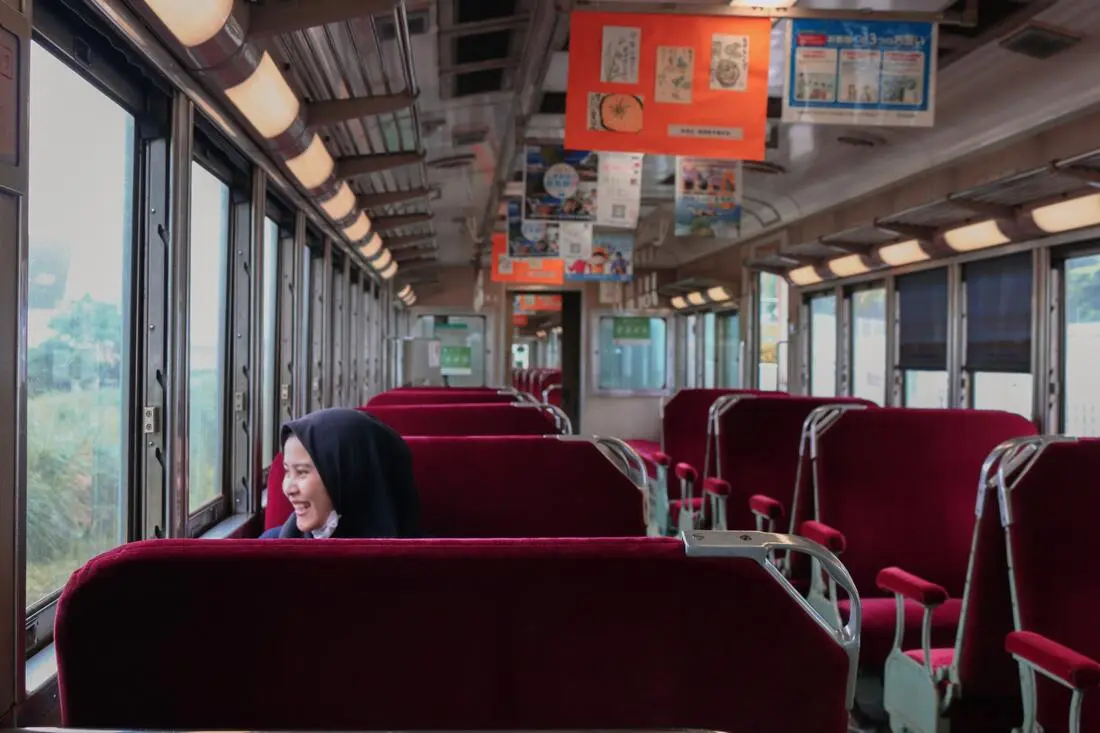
347,475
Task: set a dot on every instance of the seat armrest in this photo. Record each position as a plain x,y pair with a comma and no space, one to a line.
907,585
1072,668
823,534
662,459
766,506
716,486
686,472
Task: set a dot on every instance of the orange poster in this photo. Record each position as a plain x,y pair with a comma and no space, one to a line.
668,84
528,271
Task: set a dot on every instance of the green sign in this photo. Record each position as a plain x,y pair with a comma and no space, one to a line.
457,361
630,331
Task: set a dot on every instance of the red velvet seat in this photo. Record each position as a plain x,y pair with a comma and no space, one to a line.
440,634
510,486
1052,542
517,418
440,397
895,487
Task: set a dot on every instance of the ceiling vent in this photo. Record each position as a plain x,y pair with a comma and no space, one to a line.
763,167
469,136
452,161
861,139
1040,41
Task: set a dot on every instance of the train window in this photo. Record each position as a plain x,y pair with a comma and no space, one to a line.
729,349
922,337
710,349
692,357
998,333
771,332
463,337
636,363
869,344
207,319
81,218
271,311
1081,398
823,346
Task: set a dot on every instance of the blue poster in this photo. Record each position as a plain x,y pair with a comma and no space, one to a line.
611,259
860,72
559,184
708,198
530,238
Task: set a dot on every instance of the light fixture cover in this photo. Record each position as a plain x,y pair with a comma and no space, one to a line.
382,261
341,204
902,253
804,275
390,271
373,247
358,229
696,298
192,22
1065,216
679,303
975,236
847,265
265,99
314,165
405,291
718,294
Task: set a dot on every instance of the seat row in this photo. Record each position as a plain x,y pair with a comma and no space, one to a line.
541,383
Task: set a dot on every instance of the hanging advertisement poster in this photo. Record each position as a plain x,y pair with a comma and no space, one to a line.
708,198
860,72
668,84
620,184
530,238
530,304
611,259
525,270
560,184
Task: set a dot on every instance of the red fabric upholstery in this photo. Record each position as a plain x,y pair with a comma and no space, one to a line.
896,580
438,397
899,483
684,424
940,657
465,419
675,506
767,506
1074,669
437,635
662,459
686,472
758,452
879,622
509,486
1056,567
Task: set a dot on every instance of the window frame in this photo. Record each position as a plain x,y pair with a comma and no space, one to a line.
1059,332
671,326
125,80
884,284
808,308
212,153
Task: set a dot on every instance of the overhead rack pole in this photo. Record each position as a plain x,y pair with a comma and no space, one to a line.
967,17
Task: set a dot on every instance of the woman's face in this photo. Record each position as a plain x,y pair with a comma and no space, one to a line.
303,486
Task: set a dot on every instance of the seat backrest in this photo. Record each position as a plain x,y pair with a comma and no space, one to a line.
438,397
516,418
1051,535
757,450
899,483
684,423
509,486
440,634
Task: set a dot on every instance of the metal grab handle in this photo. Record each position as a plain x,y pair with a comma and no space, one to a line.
629,459
759,546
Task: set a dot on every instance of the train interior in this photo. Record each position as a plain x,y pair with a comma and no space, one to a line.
745,352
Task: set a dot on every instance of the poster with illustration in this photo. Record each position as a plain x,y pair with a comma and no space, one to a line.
708,198
560,184
860,72
610,260
530,238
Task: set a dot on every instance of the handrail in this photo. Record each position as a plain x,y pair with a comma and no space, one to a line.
760,546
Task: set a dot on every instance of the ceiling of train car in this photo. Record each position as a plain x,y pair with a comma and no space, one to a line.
467,55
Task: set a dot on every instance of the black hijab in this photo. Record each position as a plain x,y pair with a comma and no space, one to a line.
366,468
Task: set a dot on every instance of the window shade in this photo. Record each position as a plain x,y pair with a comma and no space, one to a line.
998,314
922,320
